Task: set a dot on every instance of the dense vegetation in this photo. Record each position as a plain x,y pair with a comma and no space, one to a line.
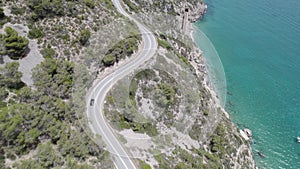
42,126
15,46
46,8
48,52
35,33
121,50
43,121
53,8
54,78
10,77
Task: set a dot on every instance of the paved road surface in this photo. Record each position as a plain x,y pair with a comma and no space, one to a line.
97,121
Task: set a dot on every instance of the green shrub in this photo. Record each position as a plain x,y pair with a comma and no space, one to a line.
35,33
168,91
84,36
164,44
46,8
17,11
3,93
15,45
89,3
206,112
10,76
121,50
109,60
109,4
48,52
144,165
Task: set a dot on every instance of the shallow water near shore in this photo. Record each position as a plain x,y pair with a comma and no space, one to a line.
259,45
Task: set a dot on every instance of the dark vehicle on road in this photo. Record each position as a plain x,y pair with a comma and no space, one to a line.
92,102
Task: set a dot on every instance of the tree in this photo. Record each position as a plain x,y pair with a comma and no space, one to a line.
3,93
44,114
89,3
48,52
46,8
47,157
109,60
15,46
11,129
10,76
54,78
35,33
2,15
25,95
20,127
121,50
84,36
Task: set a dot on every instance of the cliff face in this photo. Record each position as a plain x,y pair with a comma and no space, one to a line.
211,139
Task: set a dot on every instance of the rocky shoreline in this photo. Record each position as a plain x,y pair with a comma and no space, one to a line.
197,12
197,60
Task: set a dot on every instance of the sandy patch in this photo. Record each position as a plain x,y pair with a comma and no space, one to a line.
137,140
32,59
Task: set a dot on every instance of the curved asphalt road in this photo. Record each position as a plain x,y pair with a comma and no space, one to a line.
95,116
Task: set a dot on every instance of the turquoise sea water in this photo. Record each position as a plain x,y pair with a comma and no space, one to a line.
258,42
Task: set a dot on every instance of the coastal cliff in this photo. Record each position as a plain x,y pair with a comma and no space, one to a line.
210,135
